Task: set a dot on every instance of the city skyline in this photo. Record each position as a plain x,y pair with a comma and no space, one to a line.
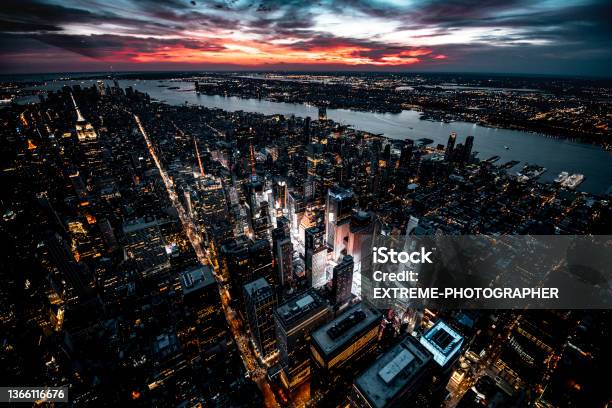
163,253
556,38
291,204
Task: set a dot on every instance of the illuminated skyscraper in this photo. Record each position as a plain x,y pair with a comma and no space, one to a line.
280,194
314,158
315,256
101,88
360,244
296,209
338,208
360,235
85,131
443,342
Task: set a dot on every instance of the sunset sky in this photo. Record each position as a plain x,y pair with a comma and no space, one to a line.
546,37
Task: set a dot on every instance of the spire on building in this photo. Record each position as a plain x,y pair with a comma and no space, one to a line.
85,131
80,117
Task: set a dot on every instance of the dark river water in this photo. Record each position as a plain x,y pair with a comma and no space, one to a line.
555,155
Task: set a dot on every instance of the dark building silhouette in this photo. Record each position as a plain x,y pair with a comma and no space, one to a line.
342,282
259,303
339,349
295,320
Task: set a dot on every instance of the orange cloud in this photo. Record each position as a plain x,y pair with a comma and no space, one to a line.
252,53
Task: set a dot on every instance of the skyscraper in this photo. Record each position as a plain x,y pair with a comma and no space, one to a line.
443,342
469,144
395,378
280,194
283,257
322,113
307,129
340,348
315,257
101,87
310,188
235,265
406,155
360,235
296,209
259,303
202,300
360,244
338,207
450,146
85,131
260,260
77,183
295,321
314,157
342,281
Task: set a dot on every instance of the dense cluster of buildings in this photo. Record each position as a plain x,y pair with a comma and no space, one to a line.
557,106
221,264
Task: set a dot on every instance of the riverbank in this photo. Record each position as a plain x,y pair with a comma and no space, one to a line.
557,155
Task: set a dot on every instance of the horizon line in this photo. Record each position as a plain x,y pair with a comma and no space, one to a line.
330,71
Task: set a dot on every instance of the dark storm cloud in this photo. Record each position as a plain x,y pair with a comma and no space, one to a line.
26,15
100,46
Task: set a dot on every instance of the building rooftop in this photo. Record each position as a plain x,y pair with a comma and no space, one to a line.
443,342
341,331
196,278
139,224
256,285
397,369
340,193
300,308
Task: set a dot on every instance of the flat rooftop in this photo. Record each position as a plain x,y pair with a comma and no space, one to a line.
340,193
138,224
300,308
256,285
397,369
341,331
442,341
196,278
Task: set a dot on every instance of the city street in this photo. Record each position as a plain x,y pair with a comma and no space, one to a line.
256,372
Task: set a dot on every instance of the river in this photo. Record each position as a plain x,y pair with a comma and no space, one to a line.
555,155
